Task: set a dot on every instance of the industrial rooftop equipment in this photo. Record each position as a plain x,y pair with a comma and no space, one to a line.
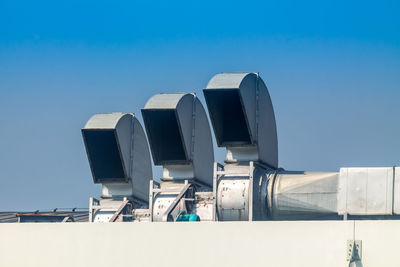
249,186
180,141
119,158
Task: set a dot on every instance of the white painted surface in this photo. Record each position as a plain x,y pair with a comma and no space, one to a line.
380,242
276,243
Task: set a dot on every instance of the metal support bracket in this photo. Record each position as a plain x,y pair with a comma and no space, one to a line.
93,203
354,251
120,209
173,210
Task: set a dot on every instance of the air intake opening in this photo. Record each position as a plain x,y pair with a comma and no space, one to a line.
164,136
227,117
104,155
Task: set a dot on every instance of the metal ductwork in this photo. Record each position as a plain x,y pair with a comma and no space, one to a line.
180,141
119,158
243,117
303,195
369,191
180,137
249,186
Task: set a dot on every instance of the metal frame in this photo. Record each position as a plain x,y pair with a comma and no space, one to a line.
94,204
119,210
179,198
151,196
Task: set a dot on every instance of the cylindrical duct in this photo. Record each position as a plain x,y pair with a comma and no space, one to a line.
303,195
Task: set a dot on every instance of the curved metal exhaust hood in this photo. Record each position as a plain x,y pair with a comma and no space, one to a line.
180,137
243,117
118,154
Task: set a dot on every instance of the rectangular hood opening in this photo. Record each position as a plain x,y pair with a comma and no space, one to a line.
164,136
227,116
104,155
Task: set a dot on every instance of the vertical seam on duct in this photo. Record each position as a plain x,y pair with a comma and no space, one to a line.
193,128
131,152
257,107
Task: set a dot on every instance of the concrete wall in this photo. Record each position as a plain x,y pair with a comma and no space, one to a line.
274,243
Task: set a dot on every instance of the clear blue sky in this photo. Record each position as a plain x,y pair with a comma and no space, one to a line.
332,69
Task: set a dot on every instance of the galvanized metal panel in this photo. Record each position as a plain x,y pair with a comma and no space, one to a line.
227,80
267,134
366,191
104,121
164,101
142,171
203,153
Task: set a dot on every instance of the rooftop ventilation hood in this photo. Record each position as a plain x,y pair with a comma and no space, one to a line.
118,154
243,117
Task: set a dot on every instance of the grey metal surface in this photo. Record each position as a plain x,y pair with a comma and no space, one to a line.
304,194
243,117
233,199
114,142
366,191
180,137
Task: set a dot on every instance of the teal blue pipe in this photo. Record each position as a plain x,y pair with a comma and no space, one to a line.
188,218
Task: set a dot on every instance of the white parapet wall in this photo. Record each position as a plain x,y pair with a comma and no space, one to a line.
273,243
